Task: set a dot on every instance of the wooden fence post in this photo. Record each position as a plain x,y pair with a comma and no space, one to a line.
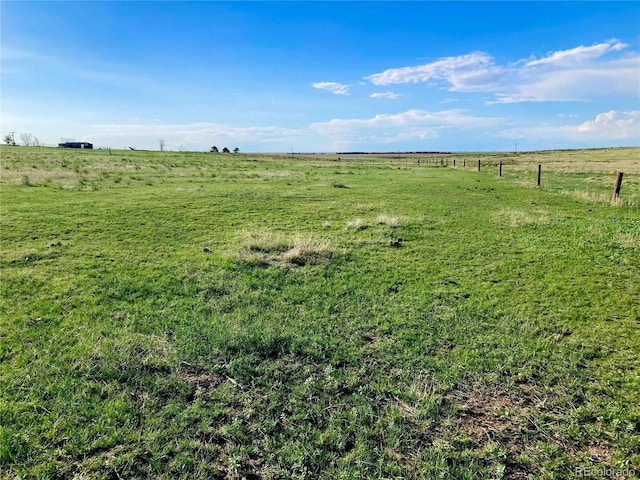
478,165
616,188
454,163
500,167
464,163
539,174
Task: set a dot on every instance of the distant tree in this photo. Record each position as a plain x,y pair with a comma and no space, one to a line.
226,150
8,139
162,143
26,138
236,150
214,149
35,142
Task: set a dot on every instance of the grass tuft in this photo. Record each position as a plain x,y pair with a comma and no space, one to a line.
521,218
130,355
388,221
306,251
594,197
267,248
357,224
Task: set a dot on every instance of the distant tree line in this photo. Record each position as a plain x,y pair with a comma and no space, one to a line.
214,149
27,139
388,153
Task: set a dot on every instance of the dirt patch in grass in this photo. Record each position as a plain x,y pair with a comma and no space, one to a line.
374,340
512,429
495,417
200,378
600,453
494,423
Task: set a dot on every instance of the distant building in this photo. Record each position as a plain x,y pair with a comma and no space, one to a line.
76,145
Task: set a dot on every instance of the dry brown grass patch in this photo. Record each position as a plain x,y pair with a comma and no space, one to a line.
521,218
357,224
592,197
628,239
388,220
268,248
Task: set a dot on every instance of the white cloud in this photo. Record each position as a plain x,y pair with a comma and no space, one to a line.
445,118
390,95
455,70
578,55
333,87
577,74
580,83
391,128
612,125
606,126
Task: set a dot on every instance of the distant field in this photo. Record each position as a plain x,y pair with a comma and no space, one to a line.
587,174
191,315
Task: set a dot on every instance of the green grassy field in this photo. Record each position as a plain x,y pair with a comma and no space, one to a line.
189,315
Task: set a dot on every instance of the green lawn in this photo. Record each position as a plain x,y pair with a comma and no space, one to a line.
188,315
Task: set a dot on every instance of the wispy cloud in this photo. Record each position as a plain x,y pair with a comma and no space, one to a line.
190,134
577,74
583,82
389,95
333,87
390,128
11,53
445,118
88,71
578,55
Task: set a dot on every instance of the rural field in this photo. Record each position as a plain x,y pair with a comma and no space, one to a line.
193,315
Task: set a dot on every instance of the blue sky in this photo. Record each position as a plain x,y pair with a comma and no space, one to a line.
324,77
